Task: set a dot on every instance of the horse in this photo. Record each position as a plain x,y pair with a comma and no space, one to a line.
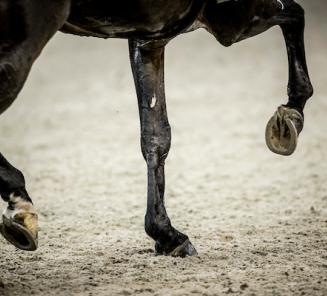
27,25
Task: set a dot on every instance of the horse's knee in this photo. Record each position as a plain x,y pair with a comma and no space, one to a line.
7,82
15,64
22,38
155,143
12,78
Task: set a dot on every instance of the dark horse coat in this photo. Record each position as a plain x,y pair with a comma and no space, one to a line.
27,25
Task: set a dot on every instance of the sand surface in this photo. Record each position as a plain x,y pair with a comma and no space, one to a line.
258,220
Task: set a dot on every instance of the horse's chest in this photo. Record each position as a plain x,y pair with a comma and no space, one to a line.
123,18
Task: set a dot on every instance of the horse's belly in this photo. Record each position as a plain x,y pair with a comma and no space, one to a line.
124,18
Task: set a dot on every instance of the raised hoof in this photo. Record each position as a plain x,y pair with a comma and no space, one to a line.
20,226
283,130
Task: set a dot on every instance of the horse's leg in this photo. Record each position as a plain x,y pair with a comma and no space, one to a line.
147,60
234,21
26,26
19,219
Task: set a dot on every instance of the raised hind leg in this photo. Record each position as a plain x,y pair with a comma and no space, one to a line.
25,28
147,59
233,21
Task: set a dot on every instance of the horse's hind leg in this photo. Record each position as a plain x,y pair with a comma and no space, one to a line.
147,59
234,21
26,26
284,127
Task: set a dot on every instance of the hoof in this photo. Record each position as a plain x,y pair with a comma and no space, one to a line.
20,225
283,130
183,250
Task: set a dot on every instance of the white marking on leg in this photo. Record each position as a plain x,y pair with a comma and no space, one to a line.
20,206
14,199
153,102
10,212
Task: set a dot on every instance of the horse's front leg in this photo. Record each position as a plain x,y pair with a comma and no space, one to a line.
26,27
20,219
147,60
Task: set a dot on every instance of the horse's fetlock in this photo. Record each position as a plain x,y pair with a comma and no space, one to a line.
151,228
157,227
309,90
302,91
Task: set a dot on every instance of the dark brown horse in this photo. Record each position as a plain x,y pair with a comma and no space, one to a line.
27,25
